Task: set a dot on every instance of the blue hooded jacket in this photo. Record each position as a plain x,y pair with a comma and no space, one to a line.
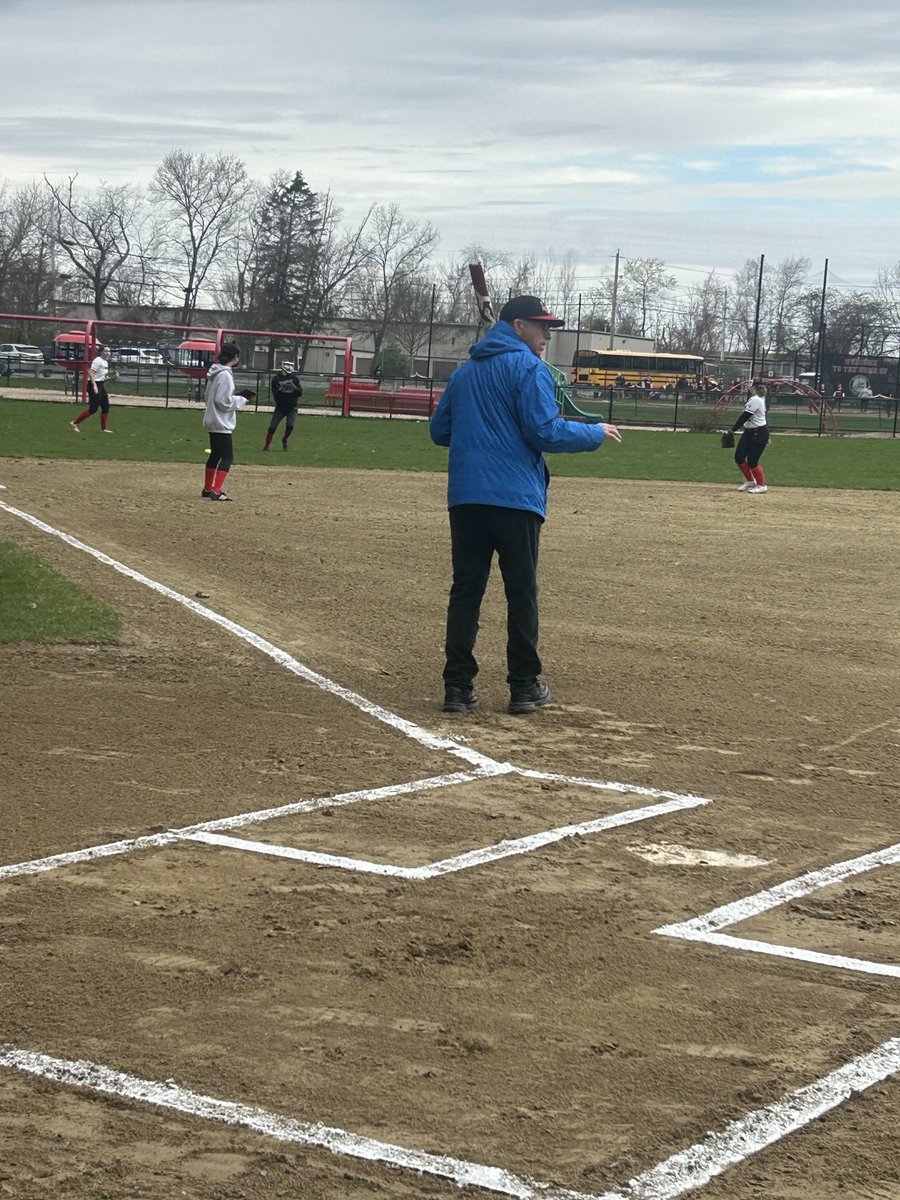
499,417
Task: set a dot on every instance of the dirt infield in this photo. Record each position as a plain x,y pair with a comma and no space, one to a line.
515,1012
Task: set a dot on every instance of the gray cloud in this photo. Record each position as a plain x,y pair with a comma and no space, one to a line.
692,131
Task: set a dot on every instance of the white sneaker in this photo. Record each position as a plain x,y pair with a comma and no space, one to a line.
747,487
758,489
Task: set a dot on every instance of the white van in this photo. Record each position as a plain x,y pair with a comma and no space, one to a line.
135,356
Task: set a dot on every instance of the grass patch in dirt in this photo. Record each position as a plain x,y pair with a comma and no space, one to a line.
37,604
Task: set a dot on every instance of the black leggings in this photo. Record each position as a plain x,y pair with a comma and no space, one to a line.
97,397
750,447
221,451
290,416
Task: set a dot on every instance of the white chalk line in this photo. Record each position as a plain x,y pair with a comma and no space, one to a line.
707,928
681,1173
424,736
459,862
695,1167
127,845
841,961
97,1078
206,831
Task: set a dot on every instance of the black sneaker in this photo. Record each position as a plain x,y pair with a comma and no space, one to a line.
527,699
219,496
459,699
206,493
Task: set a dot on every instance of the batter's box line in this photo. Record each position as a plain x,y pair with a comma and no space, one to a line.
707,928
207,830
459,862
681,1173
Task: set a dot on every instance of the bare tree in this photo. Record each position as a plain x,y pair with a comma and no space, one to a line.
141,286
784,292
411,316
889,295
697,329
742,303
27,270
398,249
337,263
205,195
94,232
643,283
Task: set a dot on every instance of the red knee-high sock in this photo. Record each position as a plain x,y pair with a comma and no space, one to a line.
269,433
287,434
746,472
209,479
104,420
758,476
81,416
219,480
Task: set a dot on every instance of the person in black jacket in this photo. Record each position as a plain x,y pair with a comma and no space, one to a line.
286,391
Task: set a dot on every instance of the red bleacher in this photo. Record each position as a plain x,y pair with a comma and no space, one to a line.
367,395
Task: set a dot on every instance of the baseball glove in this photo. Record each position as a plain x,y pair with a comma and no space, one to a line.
247,393
727,439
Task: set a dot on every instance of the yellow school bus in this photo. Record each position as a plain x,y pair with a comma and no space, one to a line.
624,368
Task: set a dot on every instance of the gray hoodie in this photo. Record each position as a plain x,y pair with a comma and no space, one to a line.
222,403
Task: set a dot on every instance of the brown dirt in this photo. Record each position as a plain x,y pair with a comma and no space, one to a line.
521,1014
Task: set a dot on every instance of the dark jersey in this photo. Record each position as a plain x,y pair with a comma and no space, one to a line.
286,390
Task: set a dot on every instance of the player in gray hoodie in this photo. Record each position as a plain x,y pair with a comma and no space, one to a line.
223,404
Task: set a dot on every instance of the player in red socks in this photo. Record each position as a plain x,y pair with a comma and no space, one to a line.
223,404
97,394
754,438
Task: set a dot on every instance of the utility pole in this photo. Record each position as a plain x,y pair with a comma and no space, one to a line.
615,301
762,260
820,352
577,338
724,323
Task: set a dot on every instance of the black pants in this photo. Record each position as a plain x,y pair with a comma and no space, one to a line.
97,397
750,447
221,452
476,532
289,415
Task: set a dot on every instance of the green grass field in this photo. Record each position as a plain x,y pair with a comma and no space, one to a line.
41,429
37,604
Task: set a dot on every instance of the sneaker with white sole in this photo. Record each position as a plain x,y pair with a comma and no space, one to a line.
747,487
758,489
74,425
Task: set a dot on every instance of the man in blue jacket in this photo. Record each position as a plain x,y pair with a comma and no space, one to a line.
499,417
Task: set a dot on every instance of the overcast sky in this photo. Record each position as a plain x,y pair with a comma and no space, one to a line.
699,132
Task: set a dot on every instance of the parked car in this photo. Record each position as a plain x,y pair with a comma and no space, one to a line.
15,354
135,356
